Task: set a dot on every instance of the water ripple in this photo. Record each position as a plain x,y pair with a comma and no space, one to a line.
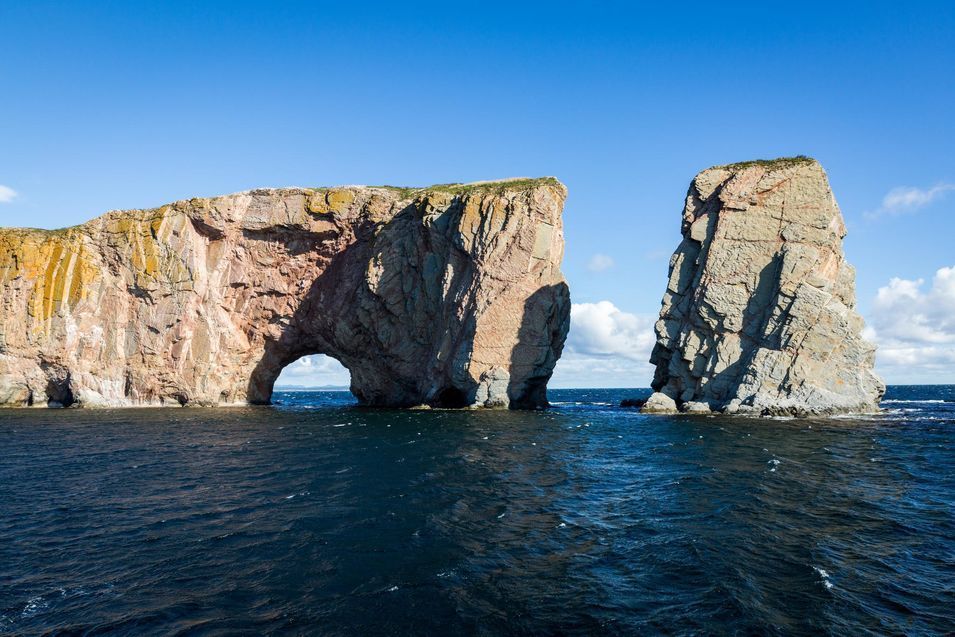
317,517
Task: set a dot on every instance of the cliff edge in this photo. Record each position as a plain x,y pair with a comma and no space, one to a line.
759,312
450,296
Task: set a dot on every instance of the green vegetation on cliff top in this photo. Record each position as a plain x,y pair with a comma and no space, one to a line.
480,186
495,187
779,162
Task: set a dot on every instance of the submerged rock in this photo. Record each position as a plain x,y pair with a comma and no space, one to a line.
449,296
759,312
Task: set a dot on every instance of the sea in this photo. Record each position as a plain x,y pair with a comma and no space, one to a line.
317,517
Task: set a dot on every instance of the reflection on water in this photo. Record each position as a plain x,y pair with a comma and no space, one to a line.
315,516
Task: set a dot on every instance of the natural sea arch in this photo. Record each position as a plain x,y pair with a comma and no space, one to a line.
449,295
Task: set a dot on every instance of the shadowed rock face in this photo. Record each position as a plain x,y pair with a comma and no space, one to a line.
450,296
759,312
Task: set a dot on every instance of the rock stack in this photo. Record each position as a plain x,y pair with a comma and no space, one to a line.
759,312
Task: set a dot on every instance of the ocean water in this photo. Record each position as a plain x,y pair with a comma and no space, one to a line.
316,517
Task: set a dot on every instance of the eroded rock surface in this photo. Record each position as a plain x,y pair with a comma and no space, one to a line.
449,296
759,312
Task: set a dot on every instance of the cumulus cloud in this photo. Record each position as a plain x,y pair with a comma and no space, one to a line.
657,255
906,199
602,329
314,371
599,263
606,347
7,194
914,329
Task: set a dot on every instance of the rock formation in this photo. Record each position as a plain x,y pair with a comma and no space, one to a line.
448,296
759,312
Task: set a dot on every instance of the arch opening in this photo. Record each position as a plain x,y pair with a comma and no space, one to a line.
309,372
314,371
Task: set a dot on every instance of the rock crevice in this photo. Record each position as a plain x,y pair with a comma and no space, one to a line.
450,296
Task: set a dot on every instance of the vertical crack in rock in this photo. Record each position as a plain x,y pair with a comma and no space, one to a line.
759,312
450,296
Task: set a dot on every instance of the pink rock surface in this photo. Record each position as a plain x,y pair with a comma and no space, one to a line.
448,296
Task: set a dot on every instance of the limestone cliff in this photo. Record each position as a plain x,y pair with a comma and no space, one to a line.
450,296
759,312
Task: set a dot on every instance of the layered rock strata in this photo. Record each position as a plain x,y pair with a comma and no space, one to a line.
449,296
759,312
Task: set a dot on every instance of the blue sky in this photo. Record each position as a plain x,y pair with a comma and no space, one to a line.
128,105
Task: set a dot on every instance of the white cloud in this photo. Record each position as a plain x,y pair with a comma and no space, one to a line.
602,329
606,347
905,199
7,194
657,255
915,329
314,371
599,263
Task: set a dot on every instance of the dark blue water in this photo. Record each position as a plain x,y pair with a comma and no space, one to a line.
315,517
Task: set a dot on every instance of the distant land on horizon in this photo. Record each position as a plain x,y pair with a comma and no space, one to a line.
311,388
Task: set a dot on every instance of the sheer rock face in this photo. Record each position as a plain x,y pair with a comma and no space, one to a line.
449,296
759,312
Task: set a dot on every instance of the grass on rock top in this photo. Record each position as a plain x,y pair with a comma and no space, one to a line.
493,187
497,187
780,162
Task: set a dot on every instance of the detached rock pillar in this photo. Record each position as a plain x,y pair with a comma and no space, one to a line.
759,312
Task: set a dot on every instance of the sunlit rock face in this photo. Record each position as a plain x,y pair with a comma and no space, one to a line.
448,296
759,312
